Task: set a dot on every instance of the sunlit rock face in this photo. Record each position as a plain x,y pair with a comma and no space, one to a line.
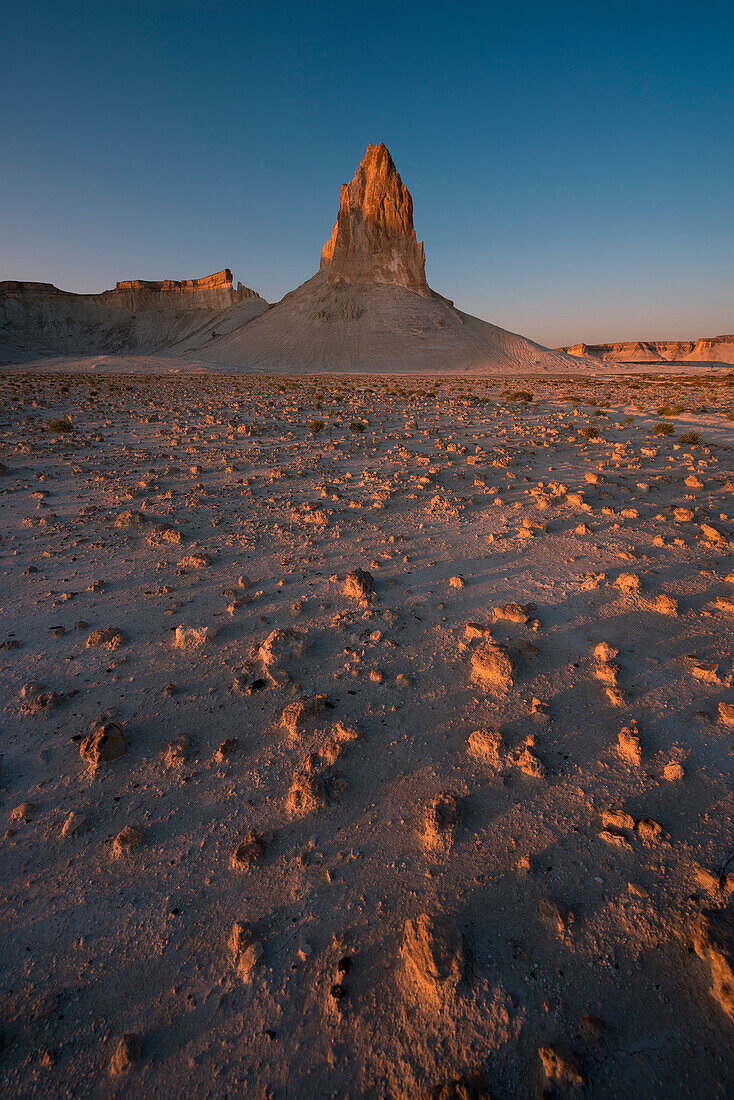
714,349
213,291
38,320
373,240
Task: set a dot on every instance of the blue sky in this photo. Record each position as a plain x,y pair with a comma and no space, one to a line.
571,165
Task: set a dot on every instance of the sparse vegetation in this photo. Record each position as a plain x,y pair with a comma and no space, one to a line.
316,426
664,427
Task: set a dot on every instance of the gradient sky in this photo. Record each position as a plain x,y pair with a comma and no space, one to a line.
571,164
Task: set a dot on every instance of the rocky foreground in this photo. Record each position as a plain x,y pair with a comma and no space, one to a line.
366,738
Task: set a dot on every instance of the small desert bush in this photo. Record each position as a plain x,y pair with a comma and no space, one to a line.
590,432
518,395
64,425
356,426
664,428
690,438
316,426
670,410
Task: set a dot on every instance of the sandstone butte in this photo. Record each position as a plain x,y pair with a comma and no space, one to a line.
373,239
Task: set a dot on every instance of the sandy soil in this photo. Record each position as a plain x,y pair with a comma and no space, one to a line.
366,738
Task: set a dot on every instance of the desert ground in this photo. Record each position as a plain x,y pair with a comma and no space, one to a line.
366,737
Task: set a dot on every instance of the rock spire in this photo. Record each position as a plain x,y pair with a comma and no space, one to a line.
373,240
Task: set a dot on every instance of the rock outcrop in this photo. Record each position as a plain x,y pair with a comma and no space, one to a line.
368,308
212,292
373,239
37,320
714,349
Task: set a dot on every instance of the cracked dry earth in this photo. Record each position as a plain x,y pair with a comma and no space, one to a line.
366,738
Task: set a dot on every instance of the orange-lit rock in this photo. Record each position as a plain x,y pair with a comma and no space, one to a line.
373,239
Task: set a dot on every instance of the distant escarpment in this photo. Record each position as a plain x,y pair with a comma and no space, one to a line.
37,320
213,291
713,349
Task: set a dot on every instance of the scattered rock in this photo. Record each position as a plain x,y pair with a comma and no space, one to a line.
281,646
226,748
177,750
109,637
712,533
23,812
250,850
128,1053
628,743
73,824
705,671
713,939
726,714
487,746
525,759
195,561
192,637
492,667
105,743
433,950
443,817
339,737
298,714
515,612
649,829
556,921
37,699
561,1069
359,583
127,839
245,950
307,794
539,711
665,605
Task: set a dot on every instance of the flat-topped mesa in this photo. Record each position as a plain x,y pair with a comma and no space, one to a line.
373,240
712,349
214,290
210,282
